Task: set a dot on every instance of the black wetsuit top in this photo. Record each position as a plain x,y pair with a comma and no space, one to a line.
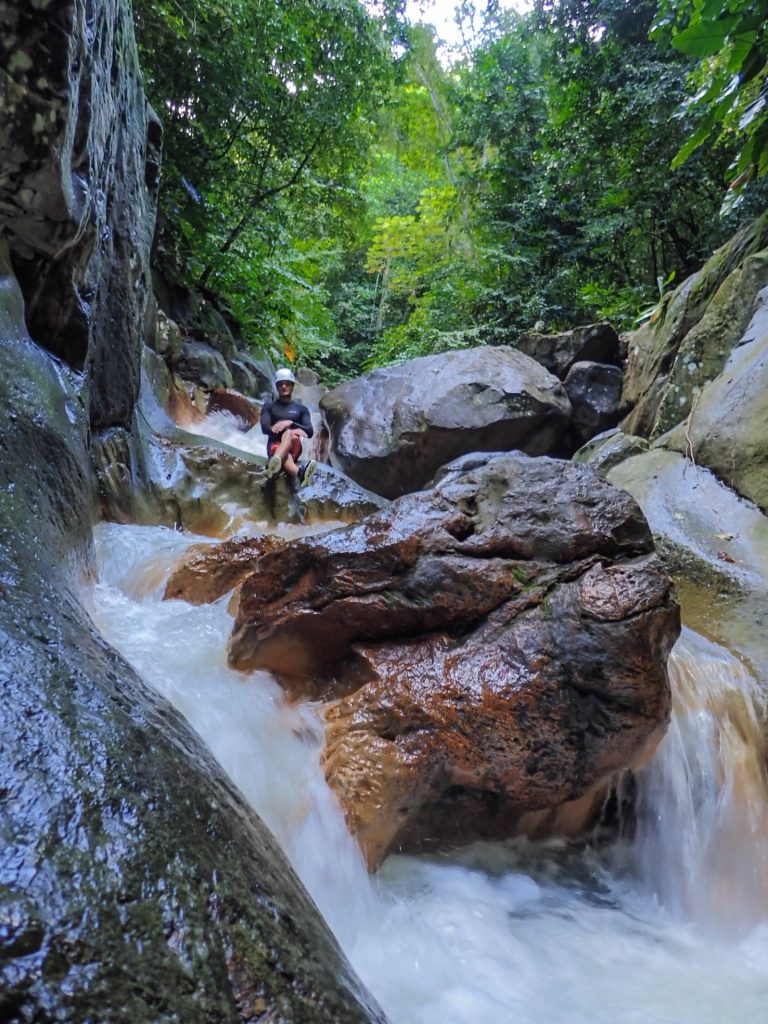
273,412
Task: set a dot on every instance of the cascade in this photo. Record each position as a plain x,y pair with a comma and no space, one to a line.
702,835
671,926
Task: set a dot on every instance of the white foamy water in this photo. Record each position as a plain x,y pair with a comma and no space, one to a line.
516,933
702,837
221,426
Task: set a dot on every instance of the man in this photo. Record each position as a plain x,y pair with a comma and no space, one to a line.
285,423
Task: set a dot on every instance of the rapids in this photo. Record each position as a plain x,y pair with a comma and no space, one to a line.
667,926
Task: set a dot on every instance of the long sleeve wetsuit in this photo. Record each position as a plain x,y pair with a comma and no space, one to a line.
273,412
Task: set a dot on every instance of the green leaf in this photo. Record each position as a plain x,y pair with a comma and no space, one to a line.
742,46
752,65
714,9
705,38
694,141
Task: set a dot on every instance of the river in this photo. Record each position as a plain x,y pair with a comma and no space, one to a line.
666,926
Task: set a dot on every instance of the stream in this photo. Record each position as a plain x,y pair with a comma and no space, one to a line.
668,925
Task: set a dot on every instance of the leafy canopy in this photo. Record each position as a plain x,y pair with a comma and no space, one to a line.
730,39
259,99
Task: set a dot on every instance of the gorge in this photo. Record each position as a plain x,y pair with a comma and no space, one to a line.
171,850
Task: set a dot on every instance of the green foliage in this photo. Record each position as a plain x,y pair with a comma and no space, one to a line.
730,39
266,107
354,208
571,117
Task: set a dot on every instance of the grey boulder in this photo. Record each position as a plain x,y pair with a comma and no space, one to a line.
391,430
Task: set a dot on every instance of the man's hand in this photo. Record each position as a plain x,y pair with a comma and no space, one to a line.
280,426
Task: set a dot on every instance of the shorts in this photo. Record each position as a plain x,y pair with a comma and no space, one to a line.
295,451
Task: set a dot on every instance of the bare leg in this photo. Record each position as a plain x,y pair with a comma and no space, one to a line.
283,452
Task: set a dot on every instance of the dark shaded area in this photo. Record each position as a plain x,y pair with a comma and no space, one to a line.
81,155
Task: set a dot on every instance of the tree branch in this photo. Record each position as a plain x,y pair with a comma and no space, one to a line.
254,202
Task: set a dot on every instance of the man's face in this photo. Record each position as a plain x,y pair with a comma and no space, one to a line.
285,390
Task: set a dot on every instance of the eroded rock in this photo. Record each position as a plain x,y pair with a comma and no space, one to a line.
608,449
497,645
162,475
200,362
689,339
713,543
207,573
727,428
245,413
137,885
81,155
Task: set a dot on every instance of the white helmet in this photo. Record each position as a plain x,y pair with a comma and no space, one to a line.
284,374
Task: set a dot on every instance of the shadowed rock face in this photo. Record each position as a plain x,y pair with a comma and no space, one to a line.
597,343
497,645
135,883
81,152
594,390
391,430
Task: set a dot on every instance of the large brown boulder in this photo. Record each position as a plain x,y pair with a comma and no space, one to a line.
497,646
206,573
391,429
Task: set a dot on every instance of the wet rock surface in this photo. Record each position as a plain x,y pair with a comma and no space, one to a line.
727,429
81,153
200,363
705,350
594,390
244,412
713,543
391,429
207,573
494,654
598,343
160,474
606,450
135,883
688,341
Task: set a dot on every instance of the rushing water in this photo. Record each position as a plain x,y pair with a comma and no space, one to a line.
668,928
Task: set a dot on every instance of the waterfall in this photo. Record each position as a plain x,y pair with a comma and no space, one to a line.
702,835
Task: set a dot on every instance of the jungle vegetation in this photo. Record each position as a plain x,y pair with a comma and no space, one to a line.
354,197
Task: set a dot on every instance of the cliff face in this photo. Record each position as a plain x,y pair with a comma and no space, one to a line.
81,158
